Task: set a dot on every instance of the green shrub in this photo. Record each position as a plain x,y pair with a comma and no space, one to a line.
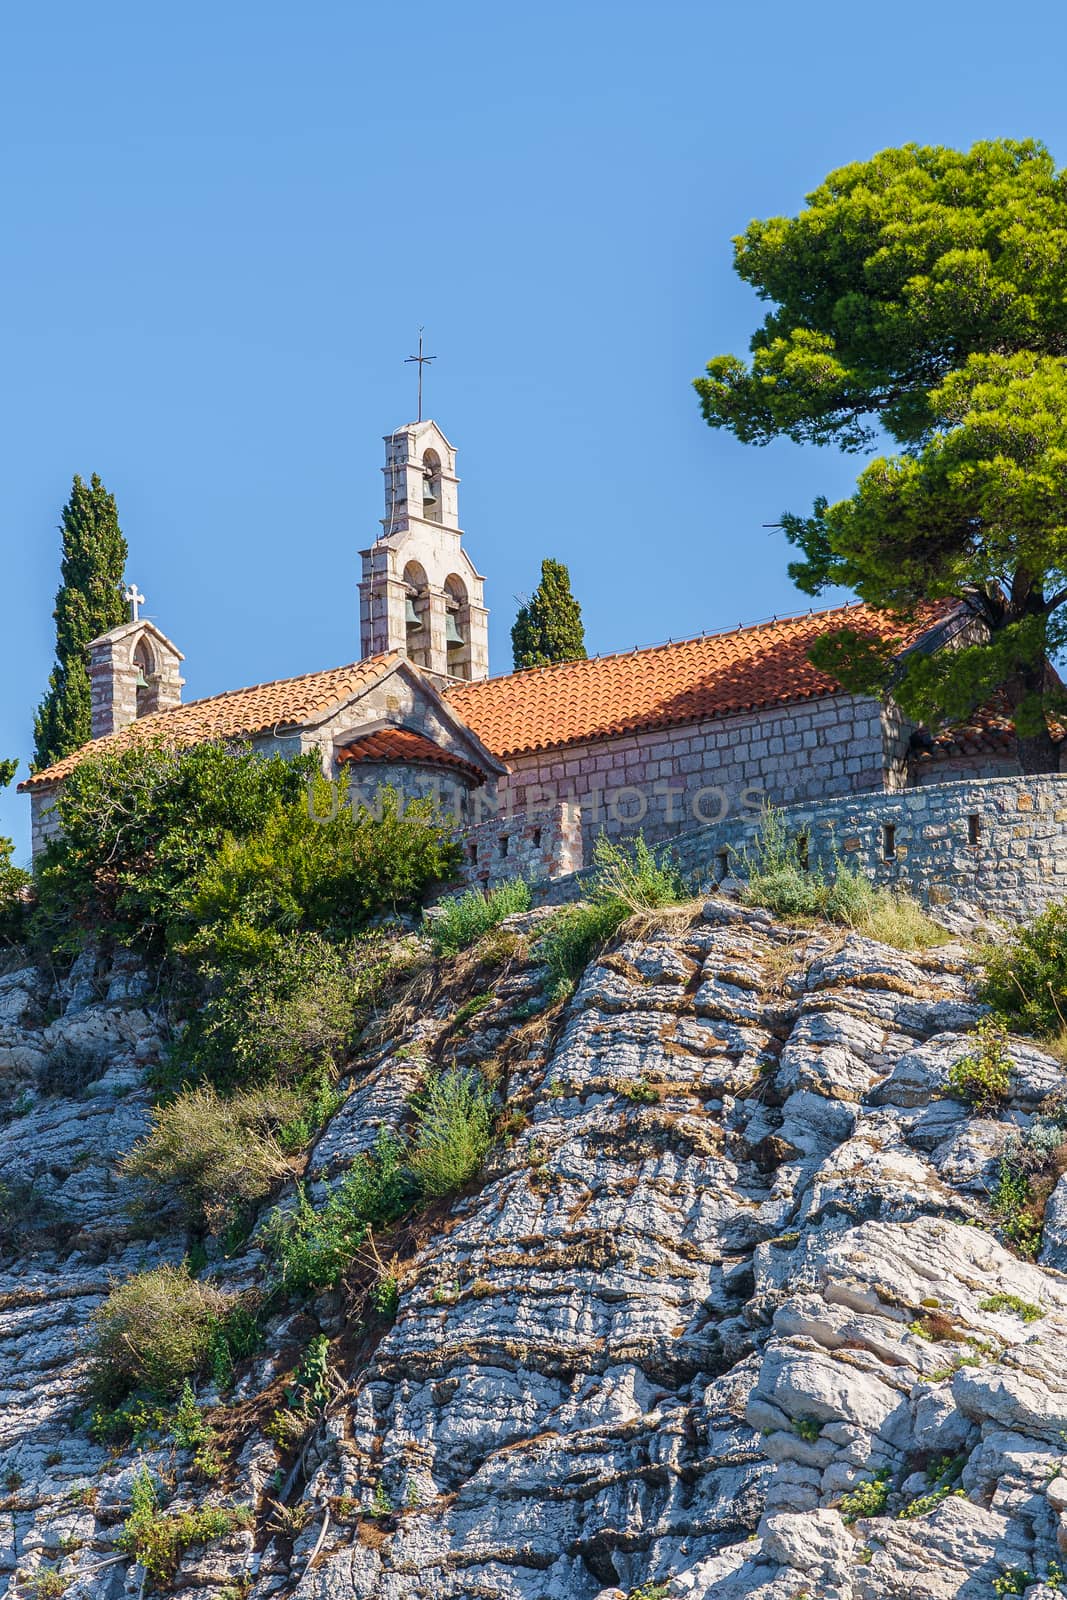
158,1540
627,880
463,920
778,877
290,1018
866,1499
313,1248
1016,1580
331,872
139,825
218,1155
571,938
453,1131
1025,978
983,1077
635,875
153,1331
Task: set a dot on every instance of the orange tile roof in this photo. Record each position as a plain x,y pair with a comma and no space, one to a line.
749,669
237,714
401,744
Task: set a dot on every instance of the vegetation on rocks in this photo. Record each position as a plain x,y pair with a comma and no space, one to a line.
158,1539
778,875
983,1077
462,920
628,881
153,1331
1025,977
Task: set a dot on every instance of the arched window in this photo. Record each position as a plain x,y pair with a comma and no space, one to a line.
145,668
417,614
431,486
457,628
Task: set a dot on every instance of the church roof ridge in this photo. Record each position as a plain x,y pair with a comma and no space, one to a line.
670,644
750,668
232,713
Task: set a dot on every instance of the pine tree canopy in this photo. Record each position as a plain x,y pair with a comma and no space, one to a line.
923,293
549,625
89,603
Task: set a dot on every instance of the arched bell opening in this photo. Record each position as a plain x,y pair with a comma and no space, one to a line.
457,628
146,678
417,614
431,486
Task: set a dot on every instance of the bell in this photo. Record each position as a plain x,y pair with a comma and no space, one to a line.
411,616
452,633
141,681
429,493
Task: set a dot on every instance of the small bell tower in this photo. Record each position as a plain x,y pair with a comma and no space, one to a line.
420,592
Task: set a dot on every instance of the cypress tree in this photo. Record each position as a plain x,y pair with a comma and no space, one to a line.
89,603
549,625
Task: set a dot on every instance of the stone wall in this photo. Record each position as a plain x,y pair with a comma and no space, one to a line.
669,780
538,846
999,844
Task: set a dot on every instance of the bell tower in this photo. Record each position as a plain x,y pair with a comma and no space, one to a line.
420,592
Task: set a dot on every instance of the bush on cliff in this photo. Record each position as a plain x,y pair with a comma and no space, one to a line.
139,826
628,880
218,1155
463,920
151,1332
1026,977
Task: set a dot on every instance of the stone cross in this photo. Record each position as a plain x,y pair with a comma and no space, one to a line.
135,599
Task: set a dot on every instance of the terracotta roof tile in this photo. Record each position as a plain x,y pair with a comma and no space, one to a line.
238,714
401,744
990,730
748,669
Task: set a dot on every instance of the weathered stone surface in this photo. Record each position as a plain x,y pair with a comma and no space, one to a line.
737,1262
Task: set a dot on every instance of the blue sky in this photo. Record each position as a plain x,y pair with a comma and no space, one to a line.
224,223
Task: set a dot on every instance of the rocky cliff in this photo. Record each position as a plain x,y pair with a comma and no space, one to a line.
727,1313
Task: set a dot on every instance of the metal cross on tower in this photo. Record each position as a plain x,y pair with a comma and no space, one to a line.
421,360
134,599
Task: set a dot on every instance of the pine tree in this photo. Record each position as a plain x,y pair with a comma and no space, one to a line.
89,603
549,625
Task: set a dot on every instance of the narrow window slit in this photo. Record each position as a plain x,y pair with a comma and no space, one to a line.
974,828
889,841
722,865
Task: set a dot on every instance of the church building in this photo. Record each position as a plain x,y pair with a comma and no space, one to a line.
534,764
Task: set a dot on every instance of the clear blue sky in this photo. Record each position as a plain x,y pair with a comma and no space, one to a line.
223,224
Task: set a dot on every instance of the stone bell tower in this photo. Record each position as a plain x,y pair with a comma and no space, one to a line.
420,592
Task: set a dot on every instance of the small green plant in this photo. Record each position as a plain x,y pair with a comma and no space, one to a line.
47,1584
462,921
639,1090
385,1296
650,1591
1013,1203
188,1426
153,1331
312,1384
807,1428
1016,1580
471,1008
866,1499
982,1078
158,1540
313,1248
453,1131
381,1505
1011,1302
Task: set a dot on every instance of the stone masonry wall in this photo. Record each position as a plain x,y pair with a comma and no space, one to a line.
999,844
672,779
538,846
